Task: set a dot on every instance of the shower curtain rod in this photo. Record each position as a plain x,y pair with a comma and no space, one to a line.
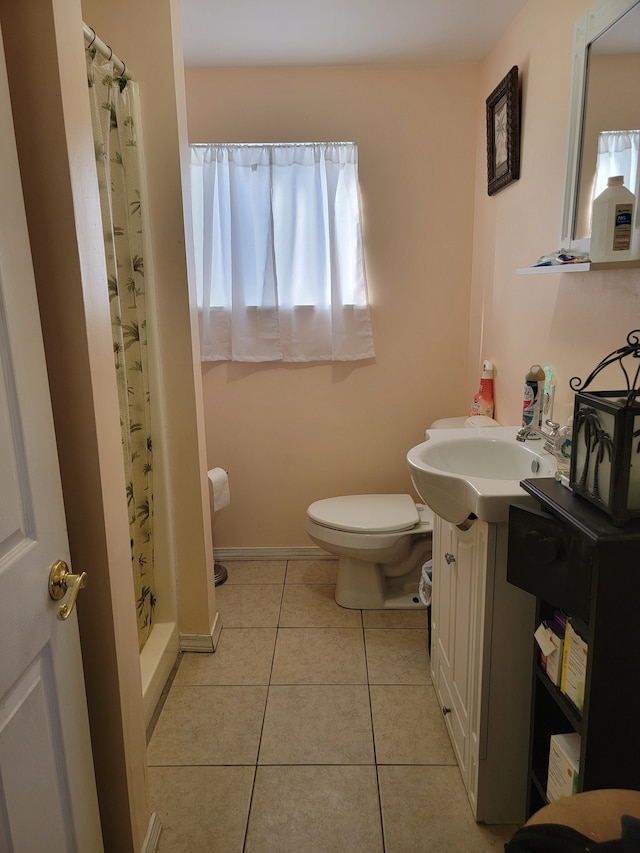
102,48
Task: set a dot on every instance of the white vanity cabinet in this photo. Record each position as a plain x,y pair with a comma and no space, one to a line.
481,652
458,558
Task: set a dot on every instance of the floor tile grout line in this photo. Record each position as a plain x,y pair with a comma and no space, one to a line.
313,764
246,825
264,714
316,764
373,733
307,684
382,836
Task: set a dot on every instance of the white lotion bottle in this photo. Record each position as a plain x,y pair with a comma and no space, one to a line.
612,220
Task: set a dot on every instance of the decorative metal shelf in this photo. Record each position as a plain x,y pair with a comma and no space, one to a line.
606,437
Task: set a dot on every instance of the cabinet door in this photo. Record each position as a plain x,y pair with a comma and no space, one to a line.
442,631
453,620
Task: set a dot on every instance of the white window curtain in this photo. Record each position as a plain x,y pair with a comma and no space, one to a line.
280,272
618,155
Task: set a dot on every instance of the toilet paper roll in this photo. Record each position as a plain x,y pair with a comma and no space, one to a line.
219,494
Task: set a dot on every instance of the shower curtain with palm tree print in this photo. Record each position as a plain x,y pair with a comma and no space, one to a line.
115,113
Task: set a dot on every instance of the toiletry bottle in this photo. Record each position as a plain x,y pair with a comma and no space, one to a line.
533,397
482,403
549,393
612,223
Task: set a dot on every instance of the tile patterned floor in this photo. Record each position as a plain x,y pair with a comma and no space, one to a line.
312,729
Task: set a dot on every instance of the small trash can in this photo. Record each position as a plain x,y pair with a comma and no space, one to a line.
424,592
425,586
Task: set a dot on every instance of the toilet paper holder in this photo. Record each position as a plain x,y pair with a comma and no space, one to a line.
219,497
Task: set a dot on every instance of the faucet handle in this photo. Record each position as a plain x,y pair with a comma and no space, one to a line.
553,425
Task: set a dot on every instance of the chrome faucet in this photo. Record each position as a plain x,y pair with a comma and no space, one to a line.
531,432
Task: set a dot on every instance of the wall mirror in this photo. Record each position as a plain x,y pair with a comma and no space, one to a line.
604,96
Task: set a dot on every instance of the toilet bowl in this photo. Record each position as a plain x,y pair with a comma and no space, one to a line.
382,541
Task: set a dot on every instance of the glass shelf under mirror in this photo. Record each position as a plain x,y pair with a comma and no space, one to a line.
586,267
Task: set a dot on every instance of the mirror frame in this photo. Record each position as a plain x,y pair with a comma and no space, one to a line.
596,21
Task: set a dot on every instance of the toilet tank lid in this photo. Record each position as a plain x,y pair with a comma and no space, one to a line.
473,422
366,513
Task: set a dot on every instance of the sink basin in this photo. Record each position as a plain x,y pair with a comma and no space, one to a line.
460,472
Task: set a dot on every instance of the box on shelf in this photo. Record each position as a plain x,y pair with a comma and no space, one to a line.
564,766
550,638
574,666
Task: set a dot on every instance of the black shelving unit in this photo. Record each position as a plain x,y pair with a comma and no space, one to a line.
571,558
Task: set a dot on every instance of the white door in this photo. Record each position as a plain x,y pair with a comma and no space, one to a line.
47,788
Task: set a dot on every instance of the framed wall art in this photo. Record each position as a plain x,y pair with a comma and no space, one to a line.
503,133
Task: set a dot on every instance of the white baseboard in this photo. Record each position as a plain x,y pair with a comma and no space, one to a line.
196,643
216,630
202,642
157,659
150,843
263,553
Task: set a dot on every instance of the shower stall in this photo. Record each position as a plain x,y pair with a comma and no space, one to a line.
121,168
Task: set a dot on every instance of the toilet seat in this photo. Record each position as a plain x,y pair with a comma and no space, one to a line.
366,513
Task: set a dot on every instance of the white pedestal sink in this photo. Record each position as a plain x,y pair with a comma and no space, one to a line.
482,626
461,472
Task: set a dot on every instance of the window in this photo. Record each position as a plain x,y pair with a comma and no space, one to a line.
618,155
278,247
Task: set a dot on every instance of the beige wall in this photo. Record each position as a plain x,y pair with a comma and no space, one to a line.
292,434
567,320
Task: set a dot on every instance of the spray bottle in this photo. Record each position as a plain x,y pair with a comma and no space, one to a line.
482,403
533,397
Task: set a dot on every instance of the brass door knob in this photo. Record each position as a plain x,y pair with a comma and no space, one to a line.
60,582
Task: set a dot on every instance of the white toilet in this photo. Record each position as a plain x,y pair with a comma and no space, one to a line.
383,541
